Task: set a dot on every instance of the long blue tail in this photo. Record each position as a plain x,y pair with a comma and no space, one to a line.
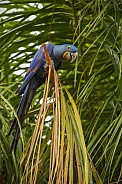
21,113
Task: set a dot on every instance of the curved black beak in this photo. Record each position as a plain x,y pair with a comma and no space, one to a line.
72,56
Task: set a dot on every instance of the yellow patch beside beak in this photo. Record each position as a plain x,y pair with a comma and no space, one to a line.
70,56
66,56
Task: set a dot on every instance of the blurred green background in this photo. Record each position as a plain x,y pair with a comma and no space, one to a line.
94,80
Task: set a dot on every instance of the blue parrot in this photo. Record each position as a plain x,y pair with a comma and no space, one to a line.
35,77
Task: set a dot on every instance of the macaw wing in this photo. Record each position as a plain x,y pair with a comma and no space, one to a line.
39,57
37,62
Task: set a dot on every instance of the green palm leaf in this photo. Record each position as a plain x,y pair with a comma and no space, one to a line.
90,91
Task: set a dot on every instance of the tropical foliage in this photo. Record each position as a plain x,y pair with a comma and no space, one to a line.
76,135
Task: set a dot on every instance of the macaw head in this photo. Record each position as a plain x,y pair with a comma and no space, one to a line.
65,52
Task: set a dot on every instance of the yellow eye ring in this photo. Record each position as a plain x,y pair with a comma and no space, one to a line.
68,47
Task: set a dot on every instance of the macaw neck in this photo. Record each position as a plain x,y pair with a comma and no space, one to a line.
56,62
58,52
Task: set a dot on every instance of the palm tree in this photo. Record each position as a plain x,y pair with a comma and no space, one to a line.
79,138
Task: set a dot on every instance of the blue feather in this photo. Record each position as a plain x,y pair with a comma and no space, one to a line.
34,78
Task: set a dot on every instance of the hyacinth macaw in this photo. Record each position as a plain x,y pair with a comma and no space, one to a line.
35,77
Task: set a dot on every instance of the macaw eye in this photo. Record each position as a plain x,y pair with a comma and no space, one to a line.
68,47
